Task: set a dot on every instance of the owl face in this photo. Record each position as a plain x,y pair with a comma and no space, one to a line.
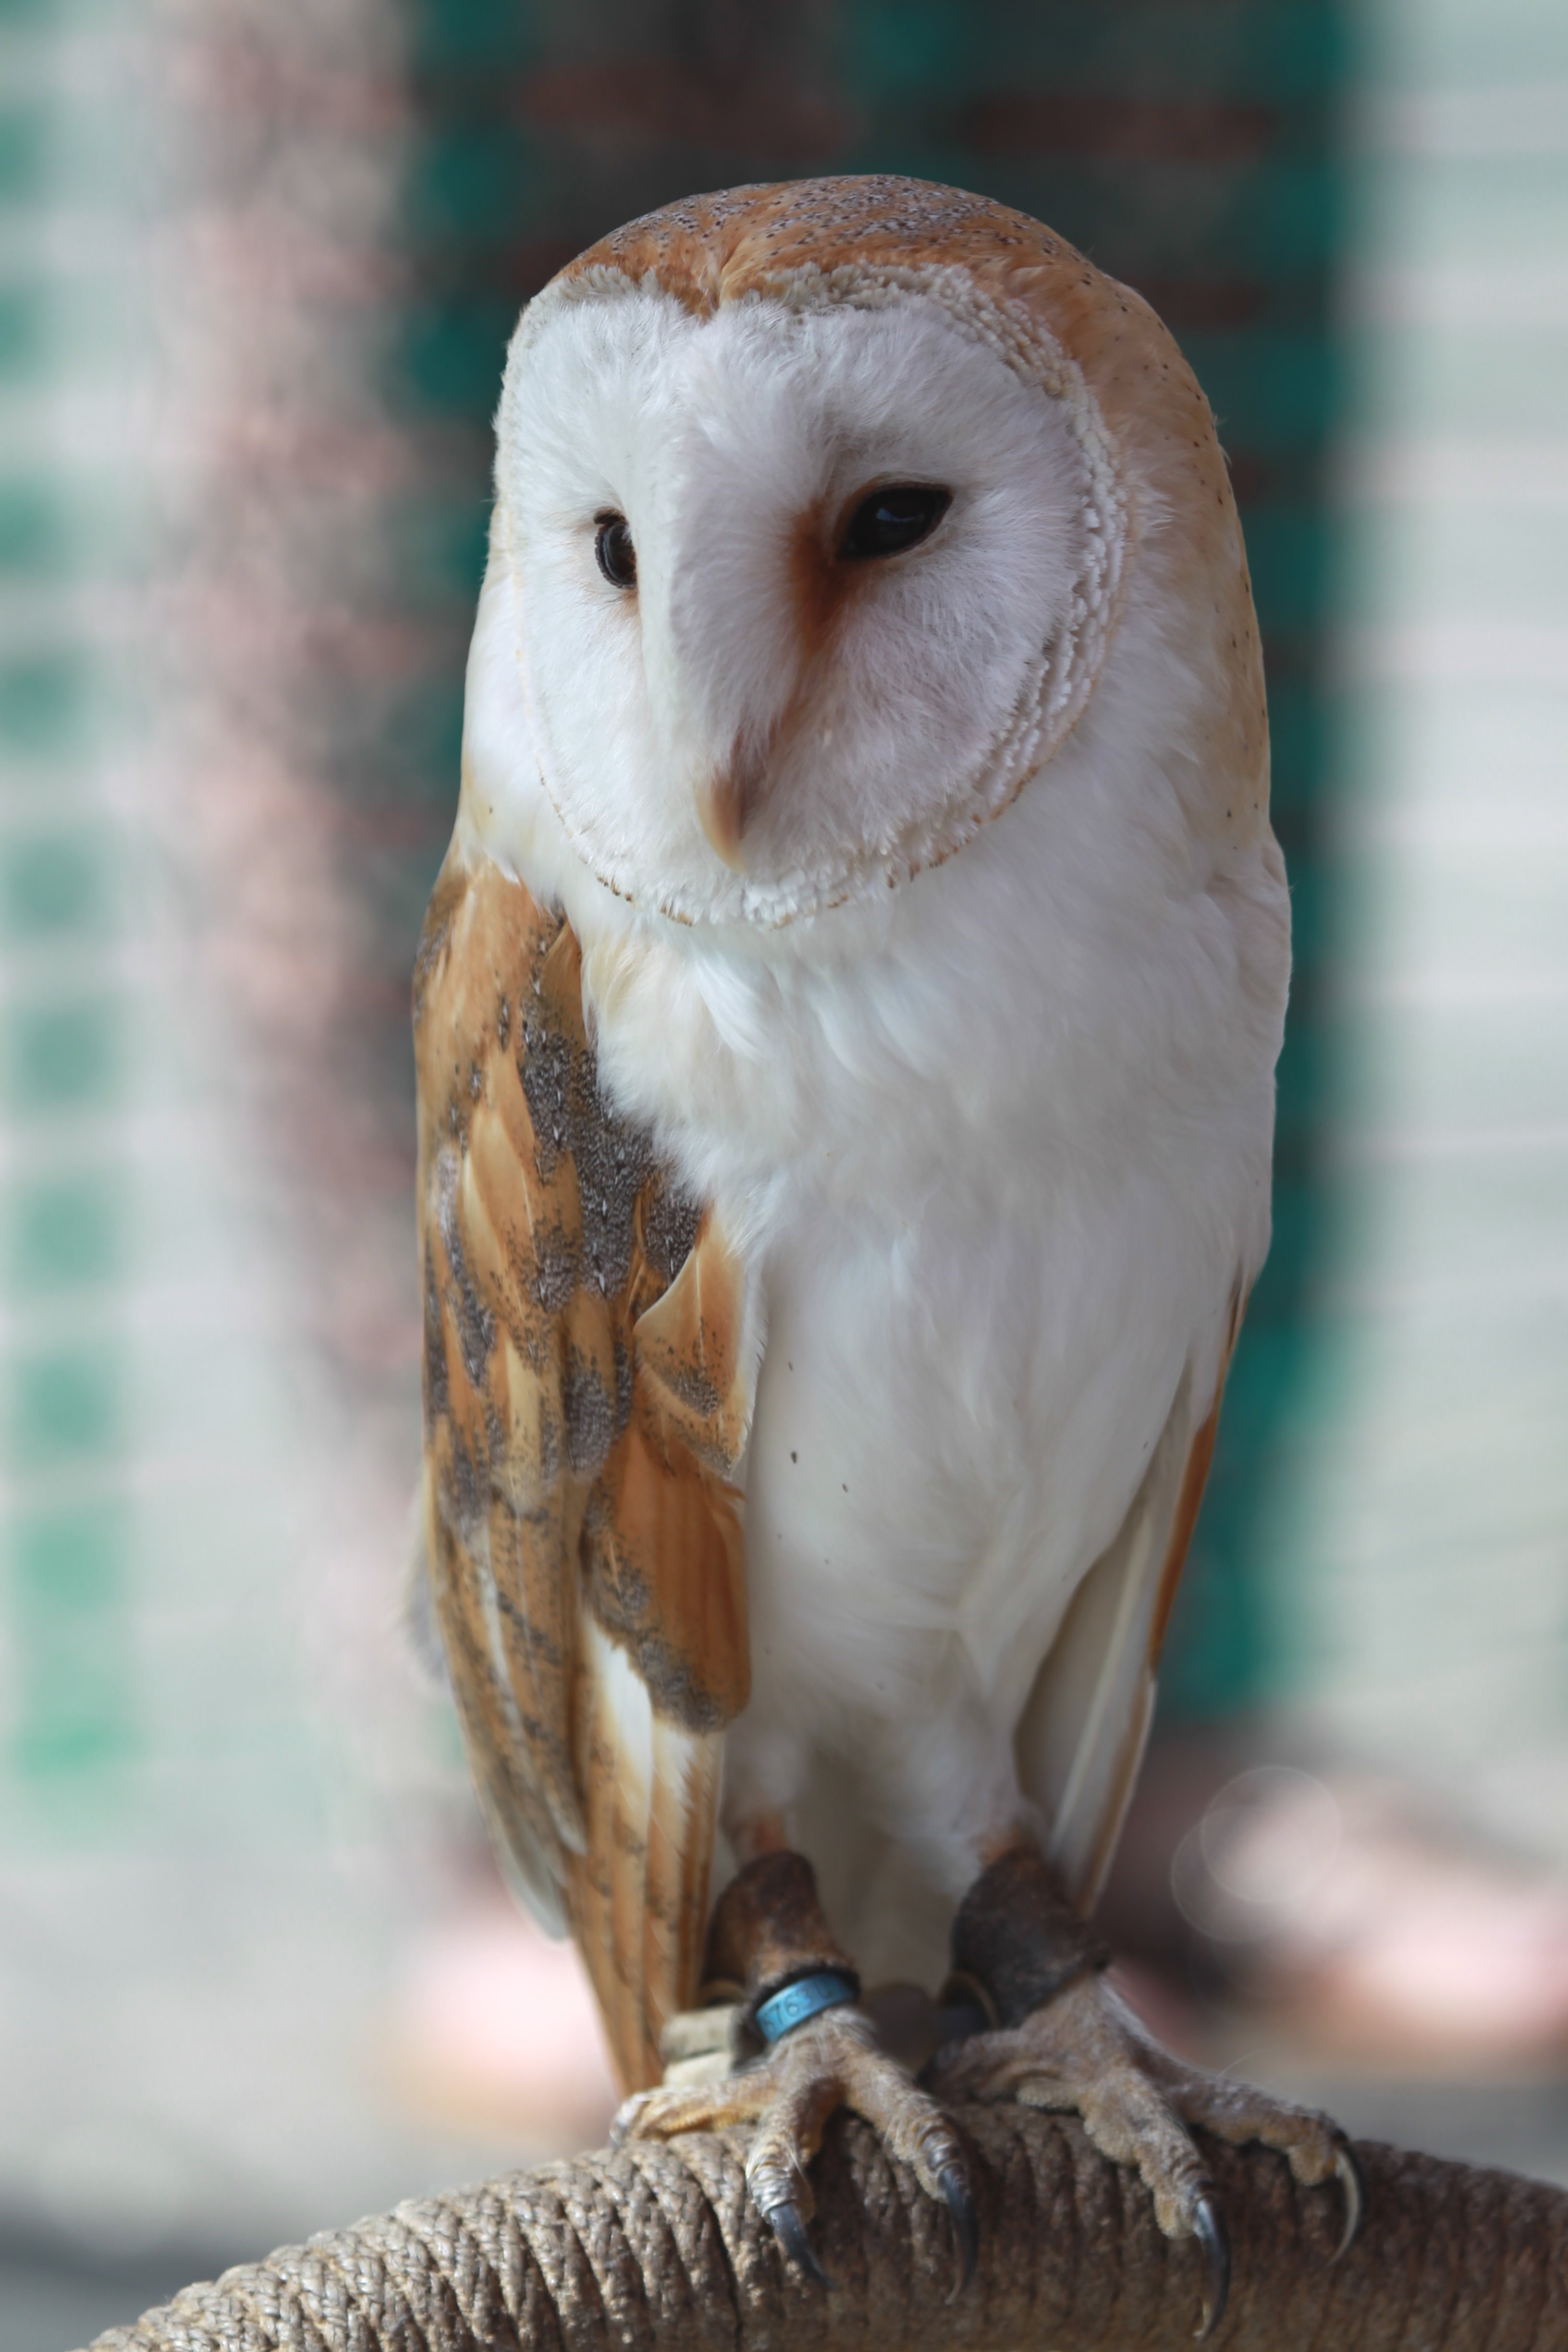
804,586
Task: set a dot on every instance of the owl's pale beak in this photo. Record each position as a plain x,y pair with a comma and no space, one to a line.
721,809
727,802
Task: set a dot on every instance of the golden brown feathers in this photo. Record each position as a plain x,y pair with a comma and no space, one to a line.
585,1398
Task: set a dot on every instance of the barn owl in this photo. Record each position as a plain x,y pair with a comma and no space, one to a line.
845,1025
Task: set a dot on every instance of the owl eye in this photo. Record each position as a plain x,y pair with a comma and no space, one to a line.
887,520
617,558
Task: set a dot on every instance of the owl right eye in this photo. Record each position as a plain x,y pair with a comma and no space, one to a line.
890,519
617,558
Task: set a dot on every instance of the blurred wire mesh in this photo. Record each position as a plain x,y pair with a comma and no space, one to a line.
258,267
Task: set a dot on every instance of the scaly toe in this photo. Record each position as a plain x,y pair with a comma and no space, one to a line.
1315,2148
624,2122
919,2132
661,2113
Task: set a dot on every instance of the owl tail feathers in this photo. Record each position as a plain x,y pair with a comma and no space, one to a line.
525,1861
638,1899
527,1869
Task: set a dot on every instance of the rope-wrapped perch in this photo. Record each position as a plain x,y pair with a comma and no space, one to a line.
656,2248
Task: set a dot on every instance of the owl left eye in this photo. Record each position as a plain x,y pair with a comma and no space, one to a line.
887,520
617,558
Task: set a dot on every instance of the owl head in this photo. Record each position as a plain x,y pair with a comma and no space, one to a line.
818,510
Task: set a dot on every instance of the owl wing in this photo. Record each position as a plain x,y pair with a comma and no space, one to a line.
586,1393
1083,1730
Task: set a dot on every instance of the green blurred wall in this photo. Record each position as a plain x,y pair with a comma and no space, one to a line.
1184,144
66,1706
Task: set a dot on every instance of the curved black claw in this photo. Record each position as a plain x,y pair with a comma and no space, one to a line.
784,2219
953,2182
1347,2172
1209,2229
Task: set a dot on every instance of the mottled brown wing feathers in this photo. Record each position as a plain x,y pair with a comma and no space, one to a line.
587,1394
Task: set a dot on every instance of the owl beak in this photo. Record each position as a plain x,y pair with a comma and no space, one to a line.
721,809
727,802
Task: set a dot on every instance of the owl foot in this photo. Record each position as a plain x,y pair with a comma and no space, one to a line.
1077,2047
788,2093
790,2050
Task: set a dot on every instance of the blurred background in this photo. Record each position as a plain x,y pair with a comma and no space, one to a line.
259,262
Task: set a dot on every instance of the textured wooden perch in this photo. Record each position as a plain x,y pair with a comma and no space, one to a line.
659,2249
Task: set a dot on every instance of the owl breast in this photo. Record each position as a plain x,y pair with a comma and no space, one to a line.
998,1174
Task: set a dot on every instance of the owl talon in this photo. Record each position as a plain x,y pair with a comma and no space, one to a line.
787,2094
783,2219
1083,2050
1209,2229
953,2182
1347,2172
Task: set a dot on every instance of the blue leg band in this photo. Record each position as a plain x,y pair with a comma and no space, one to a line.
807,1997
